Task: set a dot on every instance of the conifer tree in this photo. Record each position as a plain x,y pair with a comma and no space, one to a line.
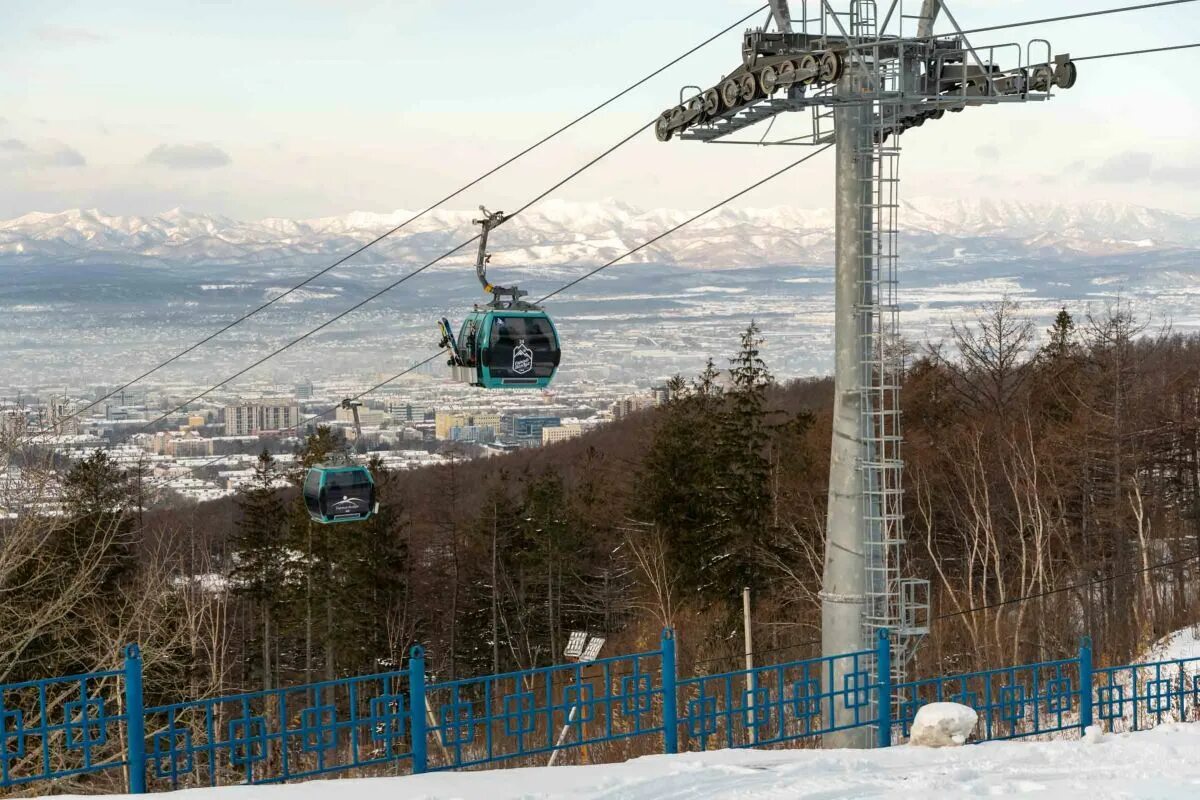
495,620
314,594
97,539
679,490
259,569
1061,338
746,469
551,548
370,583
98,499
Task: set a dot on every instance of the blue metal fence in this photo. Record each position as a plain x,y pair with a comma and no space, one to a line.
70,726
93,727
517,715
1012,702
295,732
1139,696
779,703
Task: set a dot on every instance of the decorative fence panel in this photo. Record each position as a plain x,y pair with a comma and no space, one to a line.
91,732
1012,702
1139,696
281,734
519,715
780,703
64,727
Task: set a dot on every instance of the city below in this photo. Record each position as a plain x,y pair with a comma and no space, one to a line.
207,451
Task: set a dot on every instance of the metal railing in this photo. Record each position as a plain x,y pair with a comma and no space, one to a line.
91,731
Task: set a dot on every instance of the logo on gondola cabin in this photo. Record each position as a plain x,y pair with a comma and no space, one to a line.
522,358
348,505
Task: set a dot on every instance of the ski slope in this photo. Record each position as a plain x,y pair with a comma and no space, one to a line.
1163,763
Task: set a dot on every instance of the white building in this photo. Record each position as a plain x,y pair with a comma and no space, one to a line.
561,433
251,418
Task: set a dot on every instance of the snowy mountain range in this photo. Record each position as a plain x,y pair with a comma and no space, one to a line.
558,232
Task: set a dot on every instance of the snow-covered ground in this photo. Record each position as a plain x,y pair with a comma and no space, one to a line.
1161,763
1181,644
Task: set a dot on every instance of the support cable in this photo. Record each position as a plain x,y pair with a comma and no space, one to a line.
420,214
1023,23
604,266
991,606
562,288
687,221
1080,15
1139,52
395,283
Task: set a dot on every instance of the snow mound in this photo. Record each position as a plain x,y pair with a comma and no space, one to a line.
942,725
1182,644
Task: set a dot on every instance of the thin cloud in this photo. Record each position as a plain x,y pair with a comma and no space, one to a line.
1138,167
188,156
65,157
18,153
60,34
1128,167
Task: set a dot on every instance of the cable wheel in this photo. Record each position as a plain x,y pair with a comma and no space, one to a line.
768,80
830,67
748,87
808,65
677,117
712,102
1065,75
662,128
729,93
786,74
1041,79
695,108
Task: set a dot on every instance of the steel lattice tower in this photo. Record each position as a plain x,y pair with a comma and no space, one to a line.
864,81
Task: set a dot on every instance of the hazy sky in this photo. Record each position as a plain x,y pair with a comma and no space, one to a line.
262,108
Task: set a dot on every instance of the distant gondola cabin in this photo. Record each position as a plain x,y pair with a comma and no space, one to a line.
340,494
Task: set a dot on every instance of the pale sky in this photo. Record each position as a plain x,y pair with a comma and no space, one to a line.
261,108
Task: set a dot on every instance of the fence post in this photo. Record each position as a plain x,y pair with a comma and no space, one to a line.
416,708
883,688
135,719
670,714
1085,683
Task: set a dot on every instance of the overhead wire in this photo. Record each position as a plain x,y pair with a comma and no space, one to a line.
529,149
430,358
1023,23
291,343
567,126
986,606
645,244
417,365
1139,52
1081,15
687,221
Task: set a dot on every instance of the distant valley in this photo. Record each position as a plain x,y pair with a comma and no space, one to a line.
92,297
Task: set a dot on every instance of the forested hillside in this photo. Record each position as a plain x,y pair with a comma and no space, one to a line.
1061,466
